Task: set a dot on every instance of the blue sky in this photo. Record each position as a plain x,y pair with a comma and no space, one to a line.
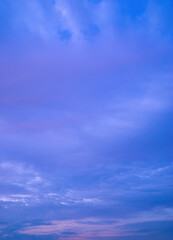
86,120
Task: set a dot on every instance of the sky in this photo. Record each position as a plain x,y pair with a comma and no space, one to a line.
86,134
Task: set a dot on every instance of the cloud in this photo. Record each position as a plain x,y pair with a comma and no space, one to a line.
85,118
90,227
19,173
43,20
16,198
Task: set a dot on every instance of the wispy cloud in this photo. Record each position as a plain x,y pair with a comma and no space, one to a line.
85,119
94,227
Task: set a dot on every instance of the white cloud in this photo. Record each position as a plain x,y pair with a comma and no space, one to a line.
19,174
16,198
